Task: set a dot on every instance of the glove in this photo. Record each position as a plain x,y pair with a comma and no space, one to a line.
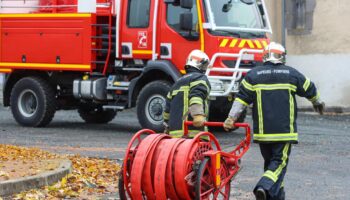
229,124
319,107
198,121
166,128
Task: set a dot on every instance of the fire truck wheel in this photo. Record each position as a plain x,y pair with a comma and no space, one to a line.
33,102
96,114
151,104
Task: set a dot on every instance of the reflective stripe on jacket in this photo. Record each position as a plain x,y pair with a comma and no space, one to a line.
192,88
272,89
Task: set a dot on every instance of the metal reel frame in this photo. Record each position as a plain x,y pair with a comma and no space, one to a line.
184,162
206,188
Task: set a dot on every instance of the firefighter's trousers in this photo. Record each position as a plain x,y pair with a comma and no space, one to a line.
276,156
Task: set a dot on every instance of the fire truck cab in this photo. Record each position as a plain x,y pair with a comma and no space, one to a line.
104,56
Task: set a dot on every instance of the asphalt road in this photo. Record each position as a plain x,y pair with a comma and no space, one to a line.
318,169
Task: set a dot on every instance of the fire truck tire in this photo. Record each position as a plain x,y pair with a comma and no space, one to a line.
96,114
33,102
151,104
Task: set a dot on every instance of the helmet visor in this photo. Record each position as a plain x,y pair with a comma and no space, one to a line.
276,56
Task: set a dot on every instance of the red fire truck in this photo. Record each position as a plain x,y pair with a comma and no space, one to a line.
104,56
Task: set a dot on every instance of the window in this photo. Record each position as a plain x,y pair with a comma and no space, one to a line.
299,16
237,14
138,13
173,17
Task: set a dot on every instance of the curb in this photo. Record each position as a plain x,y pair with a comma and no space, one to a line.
11,187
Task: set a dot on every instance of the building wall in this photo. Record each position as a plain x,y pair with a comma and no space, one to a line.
330,73
275,13
331,31
323,55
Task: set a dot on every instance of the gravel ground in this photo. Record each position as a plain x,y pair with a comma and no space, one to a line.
318,166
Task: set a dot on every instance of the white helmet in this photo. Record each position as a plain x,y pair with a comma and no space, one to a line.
198,59
274,53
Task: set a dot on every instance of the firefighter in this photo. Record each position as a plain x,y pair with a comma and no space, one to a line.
188,97
271,88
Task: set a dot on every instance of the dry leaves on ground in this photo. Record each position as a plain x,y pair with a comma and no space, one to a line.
17,162
90,177
9,152
14,169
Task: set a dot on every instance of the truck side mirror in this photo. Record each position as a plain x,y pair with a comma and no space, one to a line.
187,4
186,21
262,12
227,7
261,9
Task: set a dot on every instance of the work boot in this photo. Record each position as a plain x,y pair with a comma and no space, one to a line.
260,194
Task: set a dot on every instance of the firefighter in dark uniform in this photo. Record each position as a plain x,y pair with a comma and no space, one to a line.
271,89
188,97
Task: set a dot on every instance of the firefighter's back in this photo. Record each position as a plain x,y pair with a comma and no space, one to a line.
180,98
275,87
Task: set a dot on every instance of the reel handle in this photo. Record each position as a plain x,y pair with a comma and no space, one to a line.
241,148
216,124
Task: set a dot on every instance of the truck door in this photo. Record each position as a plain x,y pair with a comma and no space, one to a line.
136,29
176,43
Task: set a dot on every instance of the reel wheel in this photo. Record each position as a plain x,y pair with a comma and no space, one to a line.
205,188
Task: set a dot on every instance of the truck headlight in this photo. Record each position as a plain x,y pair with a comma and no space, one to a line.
234,88
217,85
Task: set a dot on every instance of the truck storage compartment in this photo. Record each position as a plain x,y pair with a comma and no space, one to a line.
46,38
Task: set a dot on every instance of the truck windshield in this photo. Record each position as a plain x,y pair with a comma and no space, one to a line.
238,15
